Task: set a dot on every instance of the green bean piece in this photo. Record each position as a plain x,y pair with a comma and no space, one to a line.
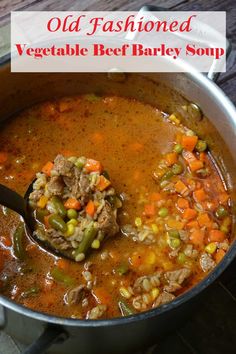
40,214
61,277
72,214
163,212
61,210
122,269
125,309
18,247
167,175
181,258
201,146
89,235
178,148
30,292
57,223
177,169
221,212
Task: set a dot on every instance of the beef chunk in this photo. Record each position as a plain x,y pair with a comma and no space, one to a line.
107,221
62,166
75,295
78,184
57,240
206,262
36,195
147,282
176,278
55,185
163,298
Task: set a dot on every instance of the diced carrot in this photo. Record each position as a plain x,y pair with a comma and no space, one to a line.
155,197
149,210
93,166
63,264
204,220
219,255
216,236
136,147
203,157
136,260
189,156
101,295
192,225
197,237
171,158
6,241
3,156
189,214
47,168
196,165
200,195
72,203
189,142
180,187
31,247
182,203
46,221
90,208
103,183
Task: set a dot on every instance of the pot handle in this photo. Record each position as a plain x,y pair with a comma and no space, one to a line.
52,334
212,75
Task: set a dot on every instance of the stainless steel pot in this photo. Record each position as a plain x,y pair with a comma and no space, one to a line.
167,91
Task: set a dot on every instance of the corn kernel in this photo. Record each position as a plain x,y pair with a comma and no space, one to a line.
95,244
70,230
155,228
125,293
211,248
72,222
174,119
150,258
42,202
154,293
138,222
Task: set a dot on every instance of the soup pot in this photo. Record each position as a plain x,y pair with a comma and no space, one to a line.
167,91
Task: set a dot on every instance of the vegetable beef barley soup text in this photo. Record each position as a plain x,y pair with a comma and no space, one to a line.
166,203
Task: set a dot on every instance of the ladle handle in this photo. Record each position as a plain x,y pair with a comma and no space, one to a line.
12,200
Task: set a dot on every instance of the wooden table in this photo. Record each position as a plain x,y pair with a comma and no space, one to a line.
212,330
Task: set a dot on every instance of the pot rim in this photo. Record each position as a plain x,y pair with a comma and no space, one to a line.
229,111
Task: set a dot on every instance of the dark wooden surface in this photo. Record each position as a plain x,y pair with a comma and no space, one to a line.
212,330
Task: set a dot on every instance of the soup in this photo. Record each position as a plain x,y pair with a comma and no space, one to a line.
174,224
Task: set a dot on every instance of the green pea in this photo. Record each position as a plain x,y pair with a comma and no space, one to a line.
173,233
178,148
18,247
221,212
175,242
61,210
177,168
89,235
80,162
163,212
181,257
122,269
57,223
201,146
72,214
